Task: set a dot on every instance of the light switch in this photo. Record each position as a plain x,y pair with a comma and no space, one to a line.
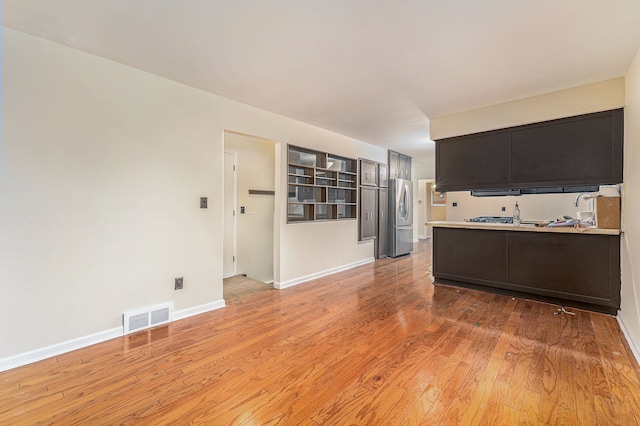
203,202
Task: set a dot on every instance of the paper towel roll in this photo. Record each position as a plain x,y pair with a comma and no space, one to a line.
609,191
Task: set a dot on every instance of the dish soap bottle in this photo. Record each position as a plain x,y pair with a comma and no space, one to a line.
516,215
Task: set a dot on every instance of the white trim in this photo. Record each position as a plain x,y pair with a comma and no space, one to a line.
58,348
196,310
631,340
35,355
306,278
228,275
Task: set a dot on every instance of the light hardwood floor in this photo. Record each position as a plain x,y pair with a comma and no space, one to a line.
378,344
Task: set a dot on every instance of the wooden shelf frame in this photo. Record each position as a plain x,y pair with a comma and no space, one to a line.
321,186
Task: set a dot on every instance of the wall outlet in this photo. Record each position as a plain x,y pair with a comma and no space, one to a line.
455,204
179,283
504,209
203,202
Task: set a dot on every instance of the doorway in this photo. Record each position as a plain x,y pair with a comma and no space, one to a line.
431,207
249,214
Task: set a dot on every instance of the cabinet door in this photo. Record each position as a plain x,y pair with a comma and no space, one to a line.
368,173
368,213
407,167
473,162
383,223
383,177
470,255
394,159
574,151
402,166
583,268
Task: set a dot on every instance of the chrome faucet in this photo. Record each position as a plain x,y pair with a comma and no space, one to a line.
575,204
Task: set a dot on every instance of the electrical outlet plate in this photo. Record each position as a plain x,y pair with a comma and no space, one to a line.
179,283
203,202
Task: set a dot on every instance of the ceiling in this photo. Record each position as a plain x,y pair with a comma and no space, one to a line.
375,70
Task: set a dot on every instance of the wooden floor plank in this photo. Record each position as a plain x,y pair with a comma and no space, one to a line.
530,409
376,344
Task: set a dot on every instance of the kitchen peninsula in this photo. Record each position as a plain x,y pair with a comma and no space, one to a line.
565,266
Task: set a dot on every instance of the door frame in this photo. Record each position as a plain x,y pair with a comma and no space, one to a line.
425,206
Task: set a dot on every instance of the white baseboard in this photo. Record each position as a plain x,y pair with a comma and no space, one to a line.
58,348
81,342
201,309
300,280
633,343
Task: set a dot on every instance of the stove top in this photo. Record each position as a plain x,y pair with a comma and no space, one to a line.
491,219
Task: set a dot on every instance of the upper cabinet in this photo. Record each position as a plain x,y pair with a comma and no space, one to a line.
581,150
373,173
399,166
383,177
368,173
473,162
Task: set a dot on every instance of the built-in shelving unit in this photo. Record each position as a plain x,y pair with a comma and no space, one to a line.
322,186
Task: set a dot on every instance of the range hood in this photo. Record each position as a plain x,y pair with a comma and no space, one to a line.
527,191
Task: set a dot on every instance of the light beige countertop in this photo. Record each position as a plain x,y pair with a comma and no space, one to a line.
523,228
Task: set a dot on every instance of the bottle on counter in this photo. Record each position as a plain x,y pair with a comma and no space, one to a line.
516,215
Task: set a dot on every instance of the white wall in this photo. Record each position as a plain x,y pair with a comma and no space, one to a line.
630,308
102,169
594,97
255,170
532,207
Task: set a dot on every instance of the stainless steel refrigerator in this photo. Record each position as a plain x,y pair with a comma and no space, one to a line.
400,217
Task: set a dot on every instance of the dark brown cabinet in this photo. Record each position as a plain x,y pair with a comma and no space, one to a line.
473,162
571,266
470,256
581,150
574,151
578,270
